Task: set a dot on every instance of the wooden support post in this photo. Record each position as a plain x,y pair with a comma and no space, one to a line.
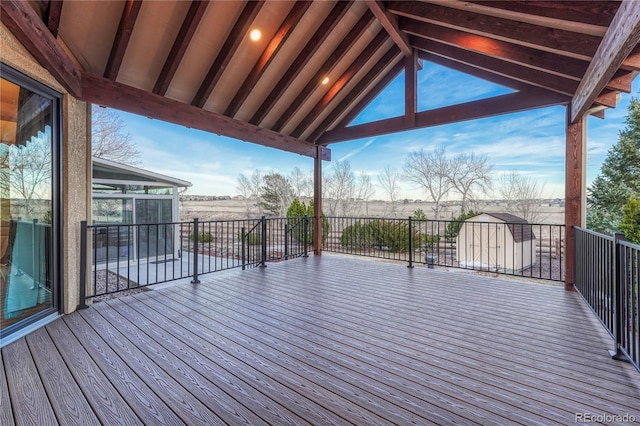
410,89
575,192
317,202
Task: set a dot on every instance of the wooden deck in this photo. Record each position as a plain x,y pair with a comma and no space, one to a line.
327,340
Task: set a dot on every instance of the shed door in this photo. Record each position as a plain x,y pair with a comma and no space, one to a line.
486,244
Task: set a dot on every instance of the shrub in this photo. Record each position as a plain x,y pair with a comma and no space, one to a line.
203,237
453,228
298,210
392,235
252,239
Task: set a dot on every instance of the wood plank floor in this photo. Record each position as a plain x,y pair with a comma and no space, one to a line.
324,340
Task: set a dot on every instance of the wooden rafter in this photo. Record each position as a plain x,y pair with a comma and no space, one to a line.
632,62
390,24
622,81
53,16
339,84
511,70
608,98
523,55
550,39
361,87
358,29
362,103
101,91
123,35
239,30
621,38
276,43
180,45
301,60
23,22
505,104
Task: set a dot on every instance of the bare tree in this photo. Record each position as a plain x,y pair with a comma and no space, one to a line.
30,172
302,183
365,190
250,188
430,171
339,189
109,138
522,195
245,189
390,183
470,174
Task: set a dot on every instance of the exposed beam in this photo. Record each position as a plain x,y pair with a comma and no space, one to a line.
361,87
607,98
179,48
621,38
523,55
53,16
410,89
568,43
239,30
622,81
505,104
301,60
371,49
390,23
511,70
123,35
26,26
366,100
632,62
338,53
276,43
101,91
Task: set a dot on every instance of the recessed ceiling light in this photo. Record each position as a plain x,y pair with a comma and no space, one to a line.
255,35
325,80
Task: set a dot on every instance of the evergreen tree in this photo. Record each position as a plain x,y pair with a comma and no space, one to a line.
630,223
276,194
619,180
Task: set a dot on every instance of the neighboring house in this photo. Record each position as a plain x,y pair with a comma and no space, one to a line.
123,194
496,241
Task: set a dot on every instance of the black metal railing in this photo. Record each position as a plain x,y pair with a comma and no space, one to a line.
607,274
522,249
121,257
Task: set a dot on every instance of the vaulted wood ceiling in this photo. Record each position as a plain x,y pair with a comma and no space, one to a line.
194,63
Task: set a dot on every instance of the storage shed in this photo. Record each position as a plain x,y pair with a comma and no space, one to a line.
496,242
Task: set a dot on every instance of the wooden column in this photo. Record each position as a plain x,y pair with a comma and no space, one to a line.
410,89
317,201
575,191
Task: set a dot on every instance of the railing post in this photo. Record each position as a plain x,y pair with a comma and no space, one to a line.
410,243
263,262
618,317
243,248
305,241
83,266
286,241
196,230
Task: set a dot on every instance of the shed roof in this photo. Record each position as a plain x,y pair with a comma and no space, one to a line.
319,63
518,226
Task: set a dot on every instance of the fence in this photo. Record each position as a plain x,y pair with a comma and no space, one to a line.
522,249
125,257
607,275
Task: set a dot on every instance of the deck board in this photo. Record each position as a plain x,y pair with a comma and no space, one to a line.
323,340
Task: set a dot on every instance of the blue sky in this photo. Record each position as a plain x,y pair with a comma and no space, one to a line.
530,142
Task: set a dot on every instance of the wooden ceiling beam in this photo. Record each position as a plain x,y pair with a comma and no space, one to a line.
504,104
340,83
390,23
301,60
180,45
53,16
523,55
608,98
123,35
27,27
338,53
239,30
567,43
632,62
621,38
498,66
361,87
366,100
622,81
270,51
109,93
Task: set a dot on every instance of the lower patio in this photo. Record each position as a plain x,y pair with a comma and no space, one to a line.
323,340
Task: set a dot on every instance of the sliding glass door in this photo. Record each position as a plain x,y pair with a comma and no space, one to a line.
29,208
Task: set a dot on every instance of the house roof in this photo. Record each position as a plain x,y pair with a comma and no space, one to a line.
518,226
194,64
119,171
